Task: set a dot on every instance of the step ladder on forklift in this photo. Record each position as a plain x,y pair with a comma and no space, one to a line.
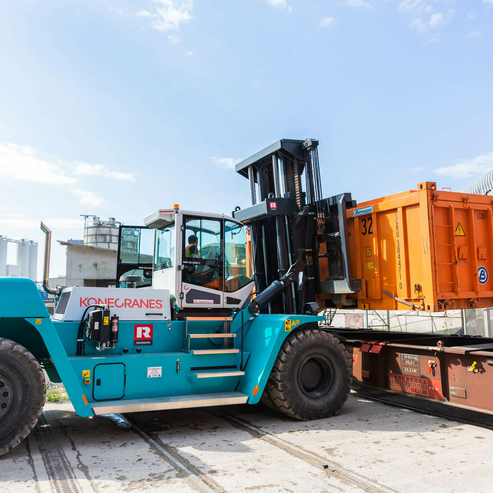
193,400
226,335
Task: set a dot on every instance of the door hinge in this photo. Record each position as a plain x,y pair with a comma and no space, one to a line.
181,296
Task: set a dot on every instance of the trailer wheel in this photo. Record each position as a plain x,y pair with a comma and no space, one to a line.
311,377
22,393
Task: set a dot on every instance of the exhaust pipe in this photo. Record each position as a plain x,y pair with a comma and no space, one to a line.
46,266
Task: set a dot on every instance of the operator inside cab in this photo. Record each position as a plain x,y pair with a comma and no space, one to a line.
192,249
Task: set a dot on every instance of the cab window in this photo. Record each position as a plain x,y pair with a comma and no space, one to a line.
202,256
164,251
237,257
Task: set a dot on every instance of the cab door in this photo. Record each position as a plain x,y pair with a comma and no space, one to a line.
134,256
238,270
202,271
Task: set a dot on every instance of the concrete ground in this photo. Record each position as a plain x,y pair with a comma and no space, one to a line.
368,447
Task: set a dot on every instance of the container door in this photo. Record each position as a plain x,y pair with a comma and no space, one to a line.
109,381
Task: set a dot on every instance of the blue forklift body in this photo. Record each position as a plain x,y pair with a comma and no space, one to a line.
132,375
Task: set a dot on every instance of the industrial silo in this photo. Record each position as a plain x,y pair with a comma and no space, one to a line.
3,255
33,261
101,234
22,256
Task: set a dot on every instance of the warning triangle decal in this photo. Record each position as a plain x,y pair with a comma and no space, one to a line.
459,230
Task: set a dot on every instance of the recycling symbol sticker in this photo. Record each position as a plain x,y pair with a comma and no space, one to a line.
483,275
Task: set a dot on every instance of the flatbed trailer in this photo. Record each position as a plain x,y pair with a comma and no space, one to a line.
455,370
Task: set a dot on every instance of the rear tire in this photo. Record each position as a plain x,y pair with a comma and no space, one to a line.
22,394
312,375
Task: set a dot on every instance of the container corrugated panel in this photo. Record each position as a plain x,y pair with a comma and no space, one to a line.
424,250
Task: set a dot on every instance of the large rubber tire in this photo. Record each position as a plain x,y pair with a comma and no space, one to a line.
22,394
312,375
267,401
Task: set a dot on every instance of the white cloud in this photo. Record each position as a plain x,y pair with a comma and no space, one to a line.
189,53
412,6
64,222
468,167
56,222
174,40
326,22
20,163
145,13
473,34
88,198
100,170
277,3
19,223
225,162
470,16
488,1
89,169
435,20
418,24
168,15
119,11
357,3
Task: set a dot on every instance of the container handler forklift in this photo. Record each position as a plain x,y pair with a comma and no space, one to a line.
227,320
232,313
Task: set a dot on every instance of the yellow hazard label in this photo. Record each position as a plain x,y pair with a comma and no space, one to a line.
287,325
368,251
369,265
459,230
38,321
106,321
86,373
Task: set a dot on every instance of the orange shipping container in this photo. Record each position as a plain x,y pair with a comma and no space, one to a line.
423,250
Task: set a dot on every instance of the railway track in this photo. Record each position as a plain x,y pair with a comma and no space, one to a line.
64,480
195,477
57,465
330,467
205,483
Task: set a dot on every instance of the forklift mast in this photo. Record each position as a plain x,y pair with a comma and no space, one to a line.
293,225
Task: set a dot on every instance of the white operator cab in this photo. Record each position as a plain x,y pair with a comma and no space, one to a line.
204,259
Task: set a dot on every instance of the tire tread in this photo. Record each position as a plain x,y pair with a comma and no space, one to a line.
23,356
277,388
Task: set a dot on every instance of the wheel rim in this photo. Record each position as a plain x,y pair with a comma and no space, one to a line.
6,395
315,376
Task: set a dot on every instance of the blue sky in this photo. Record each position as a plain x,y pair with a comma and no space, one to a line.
120,107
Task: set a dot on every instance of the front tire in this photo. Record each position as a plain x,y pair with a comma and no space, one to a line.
22,394
311,377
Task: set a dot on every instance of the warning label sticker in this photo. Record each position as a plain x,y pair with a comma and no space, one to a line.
410,385
459,230
154,371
